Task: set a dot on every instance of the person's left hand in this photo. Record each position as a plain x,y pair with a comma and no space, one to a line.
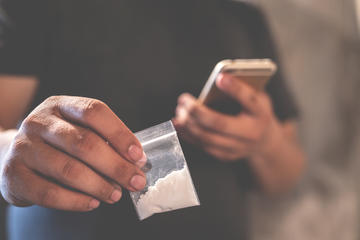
226,137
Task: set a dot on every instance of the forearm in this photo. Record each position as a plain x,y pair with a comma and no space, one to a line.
279,167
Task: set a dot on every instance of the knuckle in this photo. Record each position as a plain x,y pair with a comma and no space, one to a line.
48,196
122,172
52,99
93,108
84,141
71,170
18,147
81,204
50,105
19,144
105,191
31,122
120,133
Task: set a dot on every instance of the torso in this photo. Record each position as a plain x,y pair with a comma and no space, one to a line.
138,57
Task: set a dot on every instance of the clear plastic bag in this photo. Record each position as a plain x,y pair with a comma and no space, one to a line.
169,184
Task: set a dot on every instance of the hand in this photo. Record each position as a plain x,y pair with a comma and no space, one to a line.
226,137
70,153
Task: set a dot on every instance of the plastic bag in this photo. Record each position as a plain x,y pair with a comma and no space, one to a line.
169,184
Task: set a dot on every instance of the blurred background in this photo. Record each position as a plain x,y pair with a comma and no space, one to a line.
318,42
319,46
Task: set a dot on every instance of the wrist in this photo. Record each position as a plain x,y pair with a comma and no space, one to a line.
272,142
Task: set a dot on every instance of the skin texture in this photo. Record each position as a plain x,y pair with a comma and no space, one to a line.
70,153
255,134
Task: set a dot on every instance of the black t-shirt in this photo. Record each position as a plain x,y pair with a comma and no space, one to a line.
138,57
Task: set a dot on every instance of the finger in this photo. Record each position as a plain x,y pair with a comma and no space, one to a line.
189,107
72,173
42,192
223,155
207,138
241,127
240,91
98,116
86,145
234,151
183,133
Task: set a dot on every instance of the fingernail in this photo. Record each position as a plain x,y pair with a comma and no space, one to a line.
136,153
94,204
115,196
138,182
142,161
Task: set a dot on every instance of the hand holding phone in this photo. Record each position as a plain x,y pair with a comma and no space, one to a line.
255,72
243,123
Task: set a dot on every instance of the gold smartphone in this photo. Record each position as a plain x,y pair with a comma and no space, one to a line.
255,72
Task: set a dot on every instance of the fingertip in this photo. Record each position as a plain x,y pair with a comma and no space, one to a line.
93,204
136,153
185,98
142,160
181,97
223,81
138,182
116,196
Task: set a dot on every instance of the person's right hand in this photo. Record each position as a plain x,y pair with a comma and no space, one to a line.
70,153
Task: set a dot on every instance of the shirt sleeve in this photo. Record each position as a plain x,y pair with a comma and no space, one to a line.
24,38
283,100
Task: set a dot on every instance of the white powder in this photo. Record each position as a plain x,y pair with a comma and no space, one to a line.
172,192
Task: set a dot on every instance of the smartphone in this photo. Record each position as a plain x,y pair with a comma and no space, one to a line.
254,72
